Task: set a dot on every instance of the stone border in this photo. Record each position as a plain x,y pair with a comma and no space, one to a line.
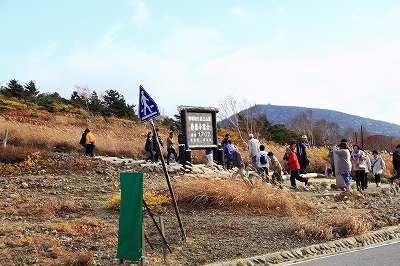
335,246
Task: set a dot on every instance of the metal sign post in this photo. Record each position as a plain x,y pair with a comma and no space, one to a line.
148,109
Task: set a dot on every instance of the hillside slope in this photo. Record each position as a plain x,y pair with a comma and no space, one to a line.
277,114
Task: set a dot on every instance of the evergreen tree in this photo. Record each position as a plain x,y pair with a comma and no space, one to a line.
30,91
115,104
14,89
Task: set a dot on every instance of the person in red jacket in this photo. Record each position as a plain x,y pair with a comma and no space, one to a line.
294,166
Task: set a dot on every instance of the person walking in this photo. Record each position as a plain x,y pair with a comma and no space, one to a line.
83,140
223,144
276,167
294,167
263,163
367,163
237,161
344,164
157,141
396,164
253,148
209,155
377,166
228,154
358,160
149,148
301,152
171,148
331,159
90,142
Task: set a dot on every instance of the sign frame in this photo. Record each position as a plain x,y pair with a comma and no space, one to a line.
207,112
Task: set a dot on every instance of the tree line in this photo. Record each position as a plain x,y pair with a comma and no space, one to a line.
111,103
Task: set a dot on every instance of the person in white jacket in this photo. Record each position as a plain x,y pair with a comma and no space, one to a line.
253,148
377,166
263,163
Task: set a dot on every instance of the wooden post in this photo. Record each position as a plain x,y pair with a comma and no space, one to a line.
164,247
5,138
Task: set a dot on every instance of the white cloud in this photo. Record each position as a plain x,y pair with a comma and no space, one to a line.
141,14
108,38
240,12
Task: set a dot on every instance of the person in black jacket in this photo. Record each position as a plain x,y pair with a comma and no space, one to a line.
301,153
83,140
149,148
396,164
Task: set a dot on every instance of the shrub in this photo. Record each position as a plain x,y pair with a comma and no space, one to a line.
153,201
29,165
327,226
14,154
239,197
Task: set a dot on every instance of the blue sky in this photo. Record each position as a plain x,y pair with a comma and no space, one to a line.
341,55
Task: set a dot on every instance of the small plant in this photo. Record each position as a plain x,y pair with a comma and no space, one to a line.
152,201
29,165
34,115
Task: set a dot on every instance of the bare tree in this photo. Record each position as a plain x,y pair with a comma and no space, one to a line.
303,124
325,132
85,93
241,117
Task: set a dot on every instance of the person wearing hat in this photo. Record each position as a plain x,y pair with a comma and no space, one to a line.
237,161
83,139
90,142
253,147
301,153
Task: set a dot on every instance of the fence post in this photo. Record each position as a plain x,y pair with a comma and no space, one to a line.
5,138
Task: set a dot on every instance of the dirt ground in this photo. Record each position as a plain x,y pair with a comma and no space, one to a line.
62,219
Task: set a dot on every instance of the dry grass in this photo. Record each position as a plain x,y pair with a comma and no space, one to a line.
116,138
13,154
328,226
239,197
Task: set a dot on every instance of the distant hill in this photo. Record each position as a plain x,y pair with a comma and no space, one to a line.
277,114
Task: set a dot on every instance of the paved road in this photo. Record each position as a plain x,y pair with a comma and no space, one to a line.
382,255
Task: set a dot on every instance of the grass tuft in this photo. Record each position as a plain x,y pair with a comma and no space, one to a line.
237,196
328,226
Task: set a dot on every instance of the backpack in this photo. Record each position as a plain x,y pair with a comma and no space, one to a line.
83,139
147,147
263,160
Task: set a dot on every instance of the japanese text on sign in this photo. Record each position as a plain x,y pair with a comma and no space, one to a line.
199,129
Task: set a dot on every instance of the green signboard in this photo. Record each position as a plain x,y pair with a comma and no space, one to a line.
130,217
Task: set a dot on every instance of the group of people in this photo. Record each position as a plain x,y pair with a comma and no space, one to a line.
262,161
153,143
362,164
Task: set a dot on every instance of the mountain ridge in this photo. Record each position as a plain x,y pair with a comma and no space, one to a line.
280,114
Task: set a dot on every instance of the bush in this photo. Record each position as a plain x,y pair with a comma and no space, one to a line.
153,201
14,154
327,226
239,197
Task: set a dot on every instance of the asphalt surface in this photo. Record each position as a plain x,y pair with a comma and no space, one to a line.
387,254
